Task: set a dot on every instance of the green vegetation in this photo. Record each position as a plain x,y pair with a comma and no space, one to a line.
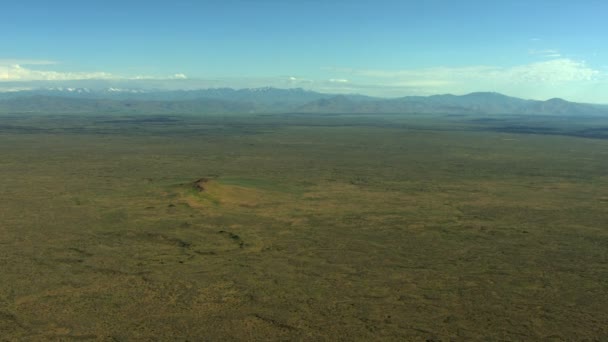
310,227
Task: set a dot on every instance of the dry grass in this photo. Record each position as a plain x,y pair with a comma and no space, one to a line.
303,233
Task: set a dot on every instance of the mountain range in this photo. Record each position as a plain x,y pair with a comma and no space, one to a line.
274,100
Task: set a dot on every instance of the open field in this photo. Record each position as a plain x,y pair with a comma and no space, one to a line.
306,227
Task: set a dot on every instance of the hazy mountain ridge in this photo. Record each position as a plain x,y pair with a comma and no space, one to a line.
271,100
55,104
266,95
474,103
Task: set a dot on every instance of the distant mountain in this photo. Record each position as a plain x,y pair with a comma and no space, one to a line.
266,96
55,104
273,100
474,103
562,107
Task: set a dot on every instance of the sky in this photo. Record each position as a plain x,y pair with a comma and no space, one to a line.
537,49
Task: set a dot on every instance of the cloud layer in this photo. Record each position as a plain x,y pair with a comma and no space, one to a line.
553,71
15,72
19,70
556,77
561,77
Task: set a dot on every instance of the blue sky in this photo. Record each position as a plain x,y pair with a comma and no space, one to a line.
532,49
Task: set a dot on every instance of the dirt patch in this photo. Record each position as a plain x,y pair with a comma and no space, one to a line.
200,184
237,239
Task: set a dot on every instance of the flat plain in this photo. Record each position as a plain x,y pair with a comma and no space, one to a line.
303,227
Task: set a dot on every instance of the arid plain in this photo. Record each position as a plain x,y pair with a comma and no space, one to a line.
291,227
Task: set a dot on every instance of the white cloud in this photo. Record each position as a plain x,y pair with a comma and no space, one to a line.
561,77
547,53
8,61
557,70
554,71
180,76
338,80
287,81
16,72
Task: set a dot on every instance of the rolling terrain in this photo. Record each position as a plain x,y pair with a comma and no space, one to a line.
303,227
